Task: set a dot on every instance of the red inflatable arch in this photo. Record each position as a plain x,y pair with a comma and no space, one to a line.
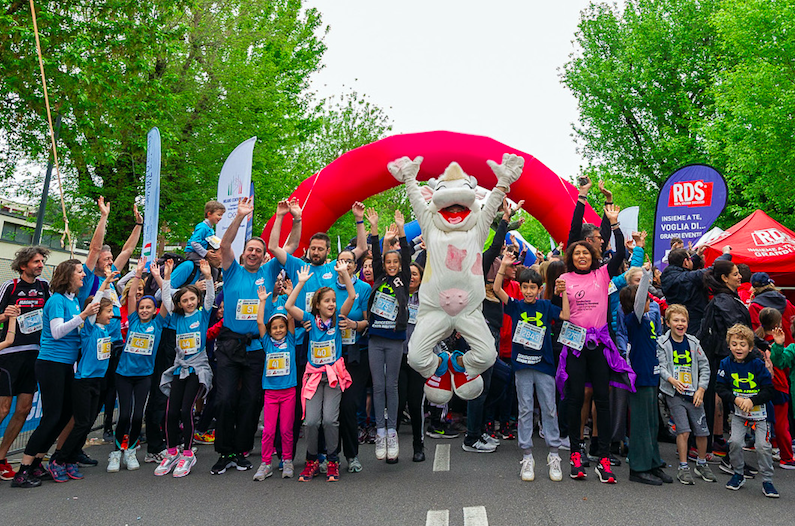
362,173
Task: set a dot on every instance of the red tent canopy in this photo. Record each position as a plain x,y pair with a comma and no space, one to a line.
761,243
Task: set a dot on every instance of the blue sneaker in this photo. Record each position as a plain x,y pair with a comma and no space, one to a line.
58,471
769,490
736,482
73,472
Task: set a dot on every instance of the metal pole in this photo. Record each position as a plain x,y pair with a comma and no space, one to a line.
43,203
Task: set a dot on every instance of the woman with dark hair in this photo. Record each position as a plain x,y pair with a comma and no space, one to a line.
724,310
60,345
590,355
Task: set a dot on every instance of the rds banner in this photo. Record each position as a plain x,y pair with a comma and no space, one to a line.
691,200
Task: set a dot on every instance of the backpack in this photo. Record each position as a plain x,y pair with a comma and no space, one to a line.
150,285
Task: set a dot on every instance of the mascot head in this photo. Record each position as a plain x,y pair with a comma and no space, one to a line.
453,201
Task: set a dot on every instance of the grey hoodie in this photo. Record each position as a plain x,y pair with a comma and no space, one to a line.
665,355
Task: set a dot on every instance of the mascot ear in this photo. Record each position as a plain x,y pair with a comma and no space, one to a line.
427,192
432,182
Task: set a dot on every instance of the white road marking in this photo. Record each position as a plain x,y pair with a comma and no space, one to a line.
475,516
441,458
438,518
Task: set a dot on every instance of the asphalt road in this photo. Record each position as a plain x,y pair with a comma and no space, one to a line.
478,489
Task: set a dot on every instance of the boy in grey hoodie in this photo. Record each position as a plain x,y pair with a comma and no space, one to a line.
684,377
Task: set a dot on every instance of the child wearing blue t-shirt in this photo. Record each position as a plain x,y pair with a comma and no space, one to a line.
278,382
203,236
190,376
534,362
325,377
95,351
134,372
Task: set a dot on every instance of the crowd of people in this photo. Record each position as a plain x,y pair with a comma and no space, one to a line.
598,351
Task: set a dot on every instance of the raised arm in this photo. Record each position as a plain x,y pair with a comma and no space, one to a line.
498,241
132,241
165,285
294,238
507,173
614,266
278,252
378,262
98,239
342,272
209,292
245,207
361,234
575,231
262,294
642,295
507,260
604,227
405,171
303,275
132,304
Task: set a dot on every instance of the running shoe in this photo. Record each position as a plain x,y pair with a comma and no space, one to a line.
488,439
439,387
6,471
705,472
155,458
242,463
73,471
205,438
354,466
776,454
114,462
108,437
478,446
24,479
736,482
38,471
789,464
769,490
185,462
527,471
684,476
555,472
333,471
662,475
380,447
726,467
371,434
392,447
443,431
577,471
605,471
131,459
311,470
288,469
84,460
263,471
692,456
166,465
508,431
362,437
466,386
584,458
223,463
57,471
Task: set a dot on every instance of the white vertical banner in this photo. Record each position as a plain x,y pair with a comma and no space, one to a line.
234,183
151,196
628,218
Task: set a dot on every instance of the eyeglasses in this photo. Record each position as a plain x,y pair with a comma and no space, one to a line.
346,261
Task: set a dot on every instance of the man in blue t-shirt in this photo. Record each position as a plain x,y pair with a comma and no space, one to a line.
238,349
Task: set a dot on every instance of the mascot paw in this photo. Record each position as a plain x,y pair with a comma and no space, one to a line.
439,387
509,171
404,169
466,386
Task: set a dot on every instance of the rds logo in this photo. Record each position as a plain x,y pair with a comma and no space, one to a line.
690,193
770,237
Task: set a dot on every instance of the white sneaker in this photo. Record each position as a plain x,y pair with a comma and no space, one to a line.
555,473
392,447
131,460
166,464
264,471
479,447
488,439
380,447
287,469
155,458
183,465
527,471
114,461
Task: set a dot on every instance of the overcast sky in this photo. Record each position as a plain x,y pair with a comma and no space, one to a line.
465,66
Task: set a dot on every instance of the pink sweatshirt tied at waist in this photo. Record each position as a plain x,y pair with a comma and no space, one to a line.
336,374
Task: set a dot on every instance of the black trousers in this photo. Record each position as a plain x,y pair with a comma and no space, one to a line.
349,406
107,394
155,415
410,391
132,391
239,397
591,366
86,402
55,396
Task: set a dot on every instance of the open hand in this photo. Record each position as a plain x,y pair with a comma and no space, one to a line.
405,169
262,293
304,274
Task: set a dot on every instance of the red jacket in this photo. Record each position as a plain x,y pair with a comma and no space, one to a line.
506,336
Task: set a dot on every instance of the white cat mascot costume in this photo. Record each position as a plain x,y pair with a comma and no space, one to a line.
454,229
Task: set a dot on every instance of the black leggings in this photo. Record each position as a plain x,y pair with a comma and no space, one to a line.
132,391
55,396
86,399
590,366
180,409
410,390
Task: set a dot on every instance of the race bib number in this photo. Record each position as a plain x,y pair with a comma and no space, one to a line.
278,364
348,336
385,306
114,297
323,353
103,349
140,343
413,309
31,322
611,288
572,336
758,412
189,343
529,335
246,310
308,305
683,374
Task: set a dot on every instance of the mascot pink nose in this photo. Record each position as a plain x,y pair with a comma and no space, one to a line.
453,301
